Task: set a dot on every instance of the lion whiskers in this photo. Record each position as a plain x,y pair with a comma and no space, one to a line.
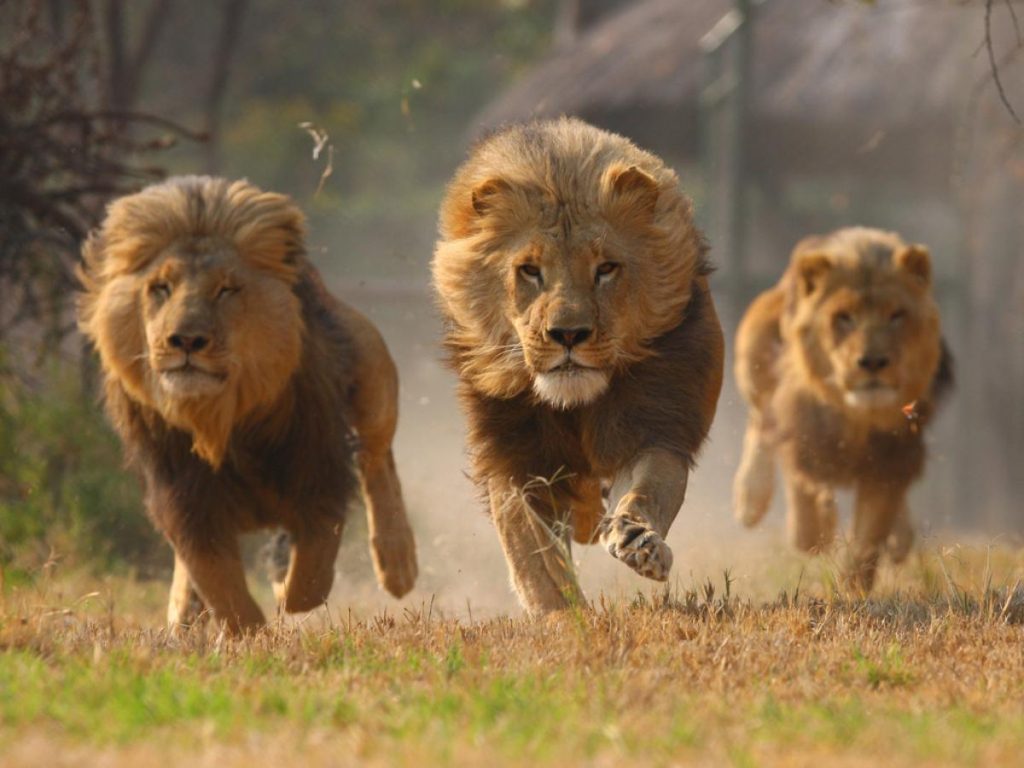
509,354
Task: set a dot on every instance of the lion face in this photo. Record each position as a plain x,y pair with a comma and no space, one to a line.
866,323
189,302
565,250
205,328
567,305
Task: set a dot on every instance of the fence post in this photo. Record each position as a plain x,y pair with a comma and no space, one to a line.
724,105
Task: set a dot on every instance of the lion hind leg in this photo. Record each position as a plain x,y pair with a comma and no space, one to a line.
538,555
374,414
755,478
392,545
276,555
185,609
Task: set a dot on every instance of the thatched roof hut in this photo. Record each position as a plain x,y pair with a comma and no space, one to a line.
866,85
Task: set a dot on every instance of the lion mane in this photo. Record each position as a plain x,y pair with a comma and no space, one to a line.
265,231
230,375
558,236
843,366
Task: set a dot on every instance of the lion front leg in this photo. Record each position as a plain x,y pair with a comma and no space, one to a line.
901,537
877,508
306,584
537,549
810,514
219,579
644,501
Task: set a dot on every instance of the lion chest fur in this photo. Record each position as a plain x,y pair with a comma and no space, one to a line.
820,440
289,464
656,403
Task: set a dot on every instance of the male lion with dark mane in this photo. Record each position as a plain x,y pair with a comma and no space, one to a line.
843,364
241,390
574,286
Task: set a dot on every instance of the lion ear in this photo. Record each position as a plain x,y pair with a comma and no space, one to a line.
916,261
811,268
631,188
487,194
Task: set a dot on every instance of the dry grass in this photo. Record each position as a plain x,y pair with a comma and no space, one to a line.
930,672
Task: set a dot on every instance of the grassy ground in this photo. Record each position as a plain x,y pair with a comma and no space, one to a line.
928,672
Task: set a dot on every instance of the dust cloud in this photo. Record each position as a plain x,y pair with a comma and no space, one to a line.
462,569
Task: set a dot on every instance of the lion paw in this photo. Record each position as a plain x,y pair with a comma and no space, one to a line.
185,614
752,492
899,543
276,555
750,504
639,547
394,560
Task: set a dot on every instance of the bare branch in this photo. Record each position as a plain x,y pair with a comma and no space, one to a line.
151,29
65,149
992,61
1016,22
227,42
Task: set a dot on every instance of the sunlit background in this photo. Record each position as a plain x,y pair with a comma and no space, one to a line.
783,118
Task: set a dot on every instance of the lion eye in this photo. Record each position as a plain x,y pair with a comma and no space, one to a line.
160,290
897,317
531,272
843,321
605,270
227,290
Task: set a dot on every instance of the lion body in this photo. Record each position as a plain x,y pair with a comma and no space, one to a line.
244,393
521,438
580,323
842,364
292,468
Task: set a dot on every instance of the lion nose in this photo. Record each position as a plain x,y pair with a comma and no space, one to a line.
873,363
569,337
187,343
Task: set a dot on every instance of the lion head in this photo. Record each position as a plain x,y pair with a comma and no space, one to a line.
189,300
863,319
564,251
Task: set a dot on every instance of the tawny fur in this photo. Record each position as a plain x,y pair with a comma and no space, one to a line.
243,392
558,226
843,365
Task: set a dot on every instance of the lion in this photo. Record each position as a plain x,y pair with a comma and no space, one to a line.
843,365
244,393
574,286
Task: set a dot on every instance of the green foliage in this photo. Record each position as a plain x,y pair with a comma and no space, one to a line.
395,85
63,486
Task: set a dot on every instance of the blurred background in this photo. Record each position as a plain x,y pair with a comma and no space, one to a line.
782,117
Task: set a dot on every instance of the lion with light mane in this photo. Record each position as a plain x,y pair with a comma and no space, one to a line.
574,287
843,365
243,392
